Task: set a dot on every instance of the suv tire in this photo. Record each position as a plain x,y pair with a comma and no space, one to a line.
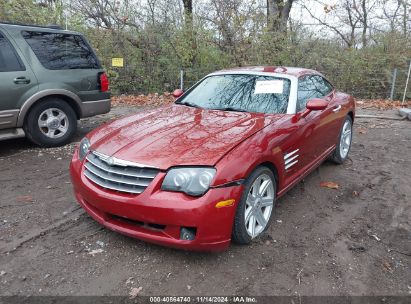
50,123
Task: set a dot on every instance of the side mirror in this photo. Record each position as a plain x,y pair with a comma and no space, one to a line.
177,93
316,104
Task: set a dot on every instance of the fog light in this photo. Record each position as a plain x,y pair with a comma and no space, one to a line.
188,234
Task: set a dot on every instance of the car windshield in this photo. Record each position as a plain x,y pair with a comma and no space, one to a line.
240,92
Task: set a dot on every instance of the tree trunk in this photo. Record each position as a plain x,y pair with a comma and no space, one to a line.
405,17
364,23
188,13
278,14
189,28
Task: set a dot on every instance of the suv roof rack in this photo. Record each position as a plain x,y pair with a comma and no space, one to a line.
51,26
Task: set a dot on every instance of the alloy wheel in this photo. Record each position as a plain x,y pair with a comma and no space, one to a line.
345,141
53,123
259,205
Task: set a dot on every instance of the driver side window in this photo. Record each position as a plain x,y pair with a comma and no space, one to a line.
311,86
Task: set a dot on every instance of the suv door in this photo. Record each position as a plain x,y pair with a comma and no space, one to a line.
16,79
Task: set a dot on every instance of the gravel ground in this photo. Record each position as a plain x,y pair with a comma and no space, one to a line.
352,241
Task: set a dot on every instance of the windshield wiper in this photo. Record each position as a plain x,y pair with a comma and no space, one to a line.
190,104
230,109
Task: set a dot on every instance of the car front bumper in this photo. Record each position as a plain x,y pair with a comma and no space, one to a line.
157,216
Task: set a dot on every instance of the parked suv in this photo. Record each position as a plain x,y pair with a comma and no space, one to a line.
49,78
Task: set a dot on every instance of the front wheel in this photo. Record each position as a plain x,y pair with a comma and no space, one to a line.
51,123
344,142
253,215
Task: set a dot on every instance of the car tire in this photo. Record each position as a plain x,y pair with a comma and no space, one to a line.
255,207
343,147
50,123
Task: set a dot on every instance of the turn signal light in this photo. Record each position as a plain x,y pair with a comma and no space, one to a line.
227,203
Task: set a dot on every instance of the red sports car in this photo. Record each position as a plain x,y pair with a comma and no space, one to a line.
209,168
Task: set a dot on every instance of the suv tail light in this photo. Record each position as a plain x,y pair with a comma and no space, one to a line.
103,82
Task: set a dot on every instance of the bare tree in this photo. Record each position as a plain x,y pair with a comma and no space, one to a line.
188,13
343,19
390,12
405,18
278,14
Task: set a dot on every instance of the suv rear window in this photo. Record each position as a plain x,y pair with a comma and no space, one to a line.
8,58
57,51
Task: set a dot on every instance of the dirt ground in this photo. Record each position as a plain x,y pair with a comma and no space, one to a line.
355,240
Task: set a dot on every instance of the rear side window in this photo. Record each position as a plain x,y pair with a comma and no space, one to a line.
9,60
57,51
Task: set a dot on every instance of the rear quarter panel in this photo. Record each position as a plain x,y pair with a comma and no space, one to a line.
347,102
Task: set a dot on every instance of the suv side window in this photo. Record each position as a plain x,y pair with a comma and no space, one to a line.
311,86
58,51
9,60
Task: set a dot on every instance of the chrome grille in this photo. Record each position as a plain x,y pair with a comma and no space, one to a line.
123,178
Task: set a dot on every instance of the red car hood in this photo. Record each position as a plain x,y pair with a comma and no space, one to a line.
177,135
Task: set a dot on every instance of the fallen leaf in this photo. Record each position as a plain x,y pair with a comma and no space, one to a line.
387,266
24,198
355,193
331,185
382,104
134,292
150,99
362,130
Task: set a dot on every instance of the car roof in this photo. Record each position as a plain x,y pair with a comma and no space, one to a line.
293,71
36,28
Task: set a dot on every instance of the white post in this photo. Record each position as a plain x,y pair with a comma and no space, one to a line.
394,78
406,84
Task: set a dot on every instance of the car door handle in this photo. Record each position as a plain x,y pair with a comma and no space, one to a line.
21,80
337,109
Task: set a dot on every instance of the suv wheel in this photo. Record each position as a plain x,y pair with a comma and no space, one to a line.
51,123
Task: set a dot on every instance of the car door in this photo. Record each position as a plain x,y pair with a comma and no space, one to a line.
328,129
15,80
298,147
320,124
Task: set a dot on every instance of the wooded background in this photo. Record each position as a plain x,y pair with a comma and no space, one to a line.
357,44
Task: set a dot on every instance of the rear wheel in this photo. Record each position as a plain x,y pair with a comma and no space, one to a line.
344,142
51,123
253,215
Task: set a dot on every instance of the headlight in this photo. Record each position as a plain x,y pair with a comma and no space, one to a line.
192,181
83,148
